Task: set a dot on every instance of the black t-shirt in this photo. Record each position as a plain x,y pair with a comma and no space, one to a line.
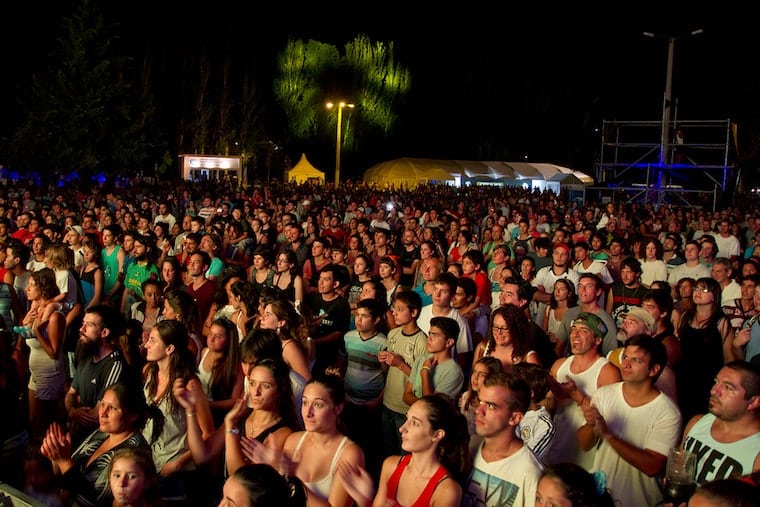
329,316
406,259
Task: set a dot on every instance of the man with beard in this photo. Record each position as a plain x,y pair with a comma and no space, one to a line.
409,257
99,365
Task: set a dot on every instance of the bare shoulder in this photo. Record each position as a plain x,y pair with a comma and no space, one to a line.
352,453
555,367
448,492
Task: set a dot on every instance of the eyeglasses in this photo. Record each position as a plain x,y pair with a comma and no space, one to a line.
497,329
702,288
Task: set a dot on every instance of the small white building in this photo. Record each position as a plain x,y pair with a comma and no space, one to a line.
211,168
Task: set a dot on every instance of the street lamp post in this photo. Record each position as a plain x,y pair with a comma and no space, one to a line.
667,101
341,105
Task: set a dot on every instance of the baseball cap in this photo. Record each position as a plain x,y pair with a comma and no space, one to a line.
591,321
561,245
76,228
642,316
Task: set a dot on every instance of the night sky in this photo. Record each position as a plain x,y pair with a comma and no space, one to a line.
533,84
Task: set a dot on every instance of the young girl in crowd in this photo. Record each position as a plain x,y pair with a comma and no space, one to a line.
169,359
563,297
269,420
219,368
280,316
171,275
148,311
362,268
313,455
259,485
507,338
245,302
180,306
569,485
469,401
133,479
91,277
435,441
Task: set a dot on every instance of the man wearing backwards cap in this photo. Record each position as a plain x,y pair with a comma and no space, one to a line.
545,278
580,375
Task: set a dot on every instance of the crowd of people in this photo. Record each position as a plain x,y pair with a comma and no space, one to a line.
188,343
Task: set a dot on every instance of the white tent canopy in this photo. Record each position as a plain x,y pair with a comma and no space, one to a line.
410,172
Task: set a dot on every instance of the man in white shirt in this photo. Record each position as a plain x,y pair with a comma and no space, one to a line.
726,440
634,425
545,277
722,273
692,268
579,375
443,290
728,244
165,216
585,264
504,470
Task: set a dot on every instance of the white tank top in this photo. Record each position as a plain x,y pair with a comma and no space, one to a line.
321,488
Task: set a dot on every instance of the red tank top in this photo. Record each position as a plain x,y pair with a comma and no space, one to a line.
424,499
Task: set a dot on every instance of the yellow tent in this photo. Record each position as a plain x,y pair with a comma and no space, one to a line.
304,172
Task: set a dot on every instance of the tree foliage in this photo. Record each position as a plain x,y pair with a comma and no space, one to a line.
84,114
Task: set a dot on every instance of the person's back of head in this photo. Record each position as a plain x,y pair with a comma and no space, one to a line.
263,486
732,492
536,377
579,487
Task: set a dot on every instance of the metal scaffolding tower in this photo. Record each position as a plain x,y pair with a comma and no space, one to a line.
697,160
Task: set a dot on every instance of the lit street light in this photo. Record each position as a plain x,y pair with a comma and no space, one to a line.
340,105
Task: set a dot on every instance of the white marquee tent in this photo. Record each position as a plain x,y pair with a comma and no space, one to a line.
410,172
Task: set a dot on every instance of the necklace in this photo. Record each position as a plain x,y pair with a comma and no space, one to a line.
252,431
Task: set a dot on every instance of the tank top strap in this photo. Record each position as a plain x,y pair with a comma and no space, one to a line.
338,452
395,477
435,480
300,441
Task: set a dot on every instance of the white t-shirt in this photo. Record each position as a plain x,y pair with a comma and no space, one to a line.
727,247
509,481
655,426
464,341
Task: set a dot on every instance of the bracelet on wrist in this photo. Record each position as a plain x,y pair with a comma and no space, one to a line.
425,367
189,413
233,431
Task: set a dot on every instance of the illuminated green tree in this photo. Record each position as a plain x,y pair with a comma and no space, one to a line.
367,74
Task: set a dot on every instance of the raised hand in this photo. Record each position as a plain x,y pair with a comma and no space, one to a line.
357,483
237,411
184,396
